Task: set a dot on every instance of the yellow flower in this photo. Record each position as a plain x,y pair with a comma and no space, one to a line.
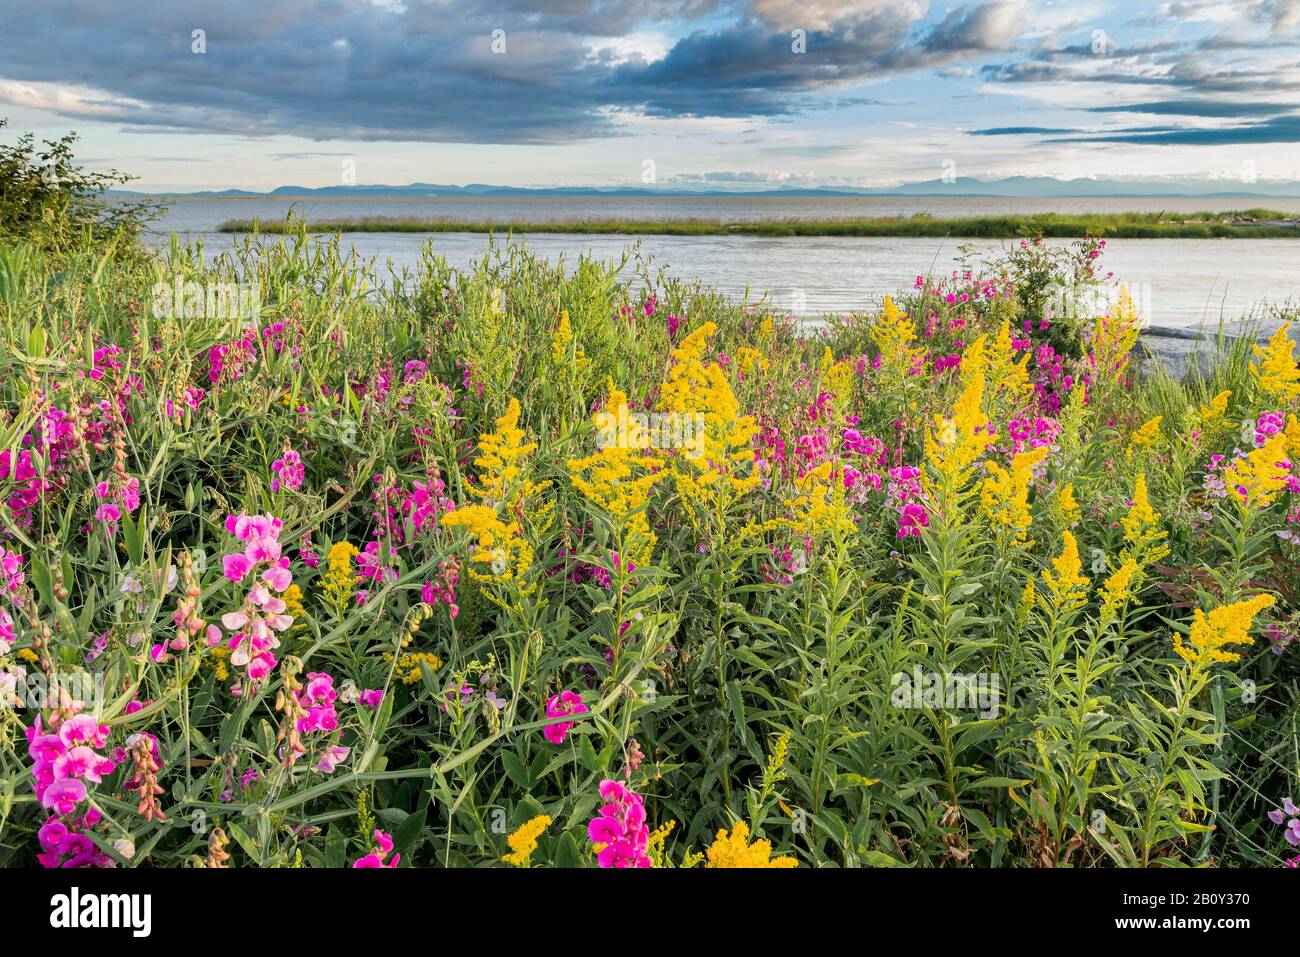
503,455
219,658
524,840
508,496
660,834
408,665
1067,586
1255,479
561,339
1005,495
618,478
1113,338
1277,373
775,770
1147,436
1117,589
1142,526
1026,604
750,361
1066,503
893,334
1292,434
1225,625
292,599
736,851
1214,411
341,579
1009,374
962,437
818,507
837,380
717,469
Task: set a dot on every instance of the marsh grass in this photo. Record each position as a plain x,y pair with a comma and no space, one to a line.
1246,224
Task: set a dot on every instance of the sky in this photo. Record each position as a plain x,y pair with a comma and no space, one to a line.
253,94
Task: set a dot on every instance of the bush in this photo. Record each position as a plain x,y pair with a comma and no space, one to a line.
47,200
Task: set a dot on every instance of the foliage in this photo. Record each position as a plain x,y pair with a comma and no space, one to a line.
371,573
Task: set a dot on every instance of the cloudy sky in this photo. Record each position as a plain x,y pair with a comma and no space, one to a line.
585,92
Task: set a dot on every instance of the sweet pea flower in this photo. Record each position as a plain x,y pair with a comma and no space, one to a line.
376,858
332,757
566,702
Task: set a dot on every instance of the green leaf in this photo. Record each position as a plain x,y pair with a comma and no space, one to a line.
408,833
566,852
336,845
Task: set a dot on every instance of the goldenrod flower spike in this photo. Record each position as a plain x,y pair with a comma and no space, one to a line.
736,851
524,840
1255,479
1068,585
1225,625
1277,373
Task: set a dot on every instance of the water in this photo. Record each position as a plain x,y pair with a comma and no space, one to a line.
1176,282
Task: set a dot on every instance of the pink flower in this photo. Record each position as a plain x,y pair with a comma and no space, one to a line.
566,702
287,471
376,858
262,614
82,762
63,796
235,566
11,573
83,729
278,576
333,756
619,829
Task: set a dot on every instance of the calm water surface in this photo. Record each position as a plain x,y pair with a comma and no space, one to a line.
1177,282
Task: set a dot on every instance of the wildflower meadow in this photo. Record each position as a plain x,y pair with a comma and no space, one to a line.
541,564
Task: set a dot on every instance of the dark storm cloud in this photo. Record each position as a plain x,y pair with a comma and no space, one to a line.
357,70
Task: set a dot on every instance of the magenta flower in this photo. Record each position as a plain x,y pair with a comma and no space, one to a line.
63,797
11,573
376,858
262,614
1289,817
235,566
619,830
566,702
287,472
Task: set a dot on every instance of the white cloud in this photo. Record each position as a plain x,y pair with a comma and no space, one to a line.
646,46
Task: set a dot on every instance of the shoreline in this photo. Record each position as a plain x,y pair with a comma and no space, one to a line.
1245,224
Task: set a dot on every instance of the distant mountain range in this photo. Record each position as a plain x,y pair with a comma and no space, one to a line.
1018,187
